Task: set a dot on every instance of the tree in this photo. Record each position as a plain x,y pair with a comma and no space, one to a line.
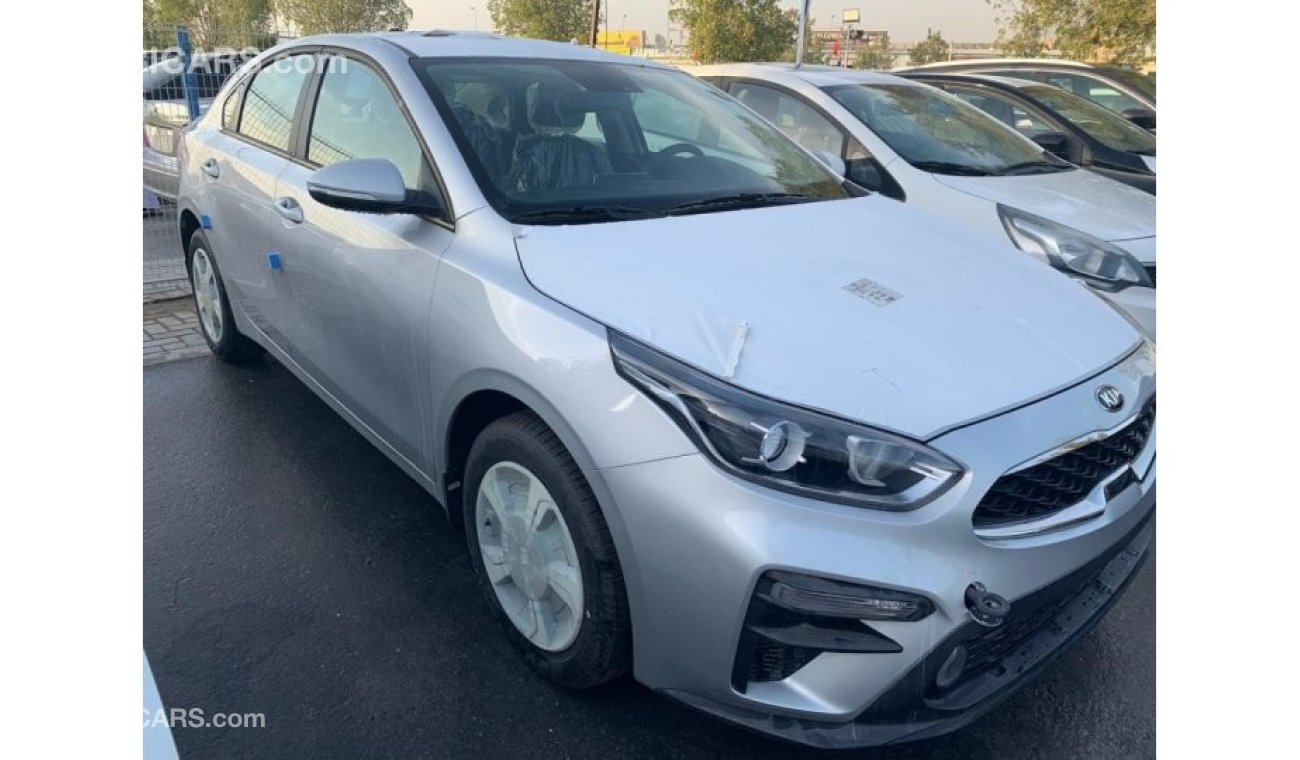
559,20
1111,31
661,42
735,30
212,23
322,16
875,54
933,48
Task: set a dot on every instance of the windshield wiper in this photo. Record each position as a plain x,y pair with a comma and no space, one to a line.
1025,167
583,214
739,201
947,167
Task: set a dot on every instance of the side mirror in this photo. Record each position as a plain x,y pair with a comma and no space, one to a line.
1055,143
1143,117
832,161
368,185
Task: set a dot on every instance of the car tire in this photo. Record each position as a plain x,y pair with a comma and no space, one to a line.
597,648
216,321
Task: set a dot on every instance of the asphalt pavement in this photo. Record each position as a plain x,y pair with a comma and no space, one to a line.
291,570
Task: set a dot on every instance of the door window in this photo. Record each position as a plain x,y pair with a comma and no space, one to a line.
357,116
1004,110
800,121
272,98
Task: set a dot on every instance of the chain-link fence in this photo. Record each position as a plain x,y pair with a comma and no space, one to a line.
184,68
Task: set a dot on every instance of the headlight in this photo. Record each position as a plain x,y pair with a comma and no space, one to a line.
783,446
1078,254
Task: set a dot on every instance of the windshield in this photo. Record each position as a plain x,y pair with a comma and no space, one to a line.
562,141
1110,129
939,133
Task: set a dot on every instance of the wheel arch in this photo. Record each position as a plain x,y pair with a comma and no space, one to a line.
187,225
478,399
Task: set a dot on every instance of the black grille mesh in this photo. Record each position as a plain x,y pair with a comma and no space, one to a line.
771,661
1151,272
1060,482
988,650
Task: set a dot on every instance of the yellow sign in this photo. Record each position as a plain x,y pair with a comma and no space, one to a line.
624,41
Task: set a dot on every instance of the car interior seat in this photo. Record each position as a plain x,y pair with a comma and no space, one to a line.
553,157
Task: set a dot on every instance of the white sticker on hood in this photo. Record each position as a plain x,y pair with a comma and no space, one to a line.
870,290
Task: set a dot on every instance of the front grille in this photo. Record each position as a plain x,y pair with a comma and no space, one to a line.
994,650
1063,481
991,648
1151,272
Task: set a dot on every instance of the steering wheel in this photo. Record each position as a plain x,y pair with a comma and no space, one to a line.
677,149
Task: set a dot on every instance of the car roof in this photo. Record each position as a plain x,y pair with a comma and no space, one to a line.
819,76
450,43
1015,82
1026,62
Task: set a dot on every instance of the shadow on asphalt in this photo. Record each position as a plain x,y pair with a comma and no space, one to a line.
291,570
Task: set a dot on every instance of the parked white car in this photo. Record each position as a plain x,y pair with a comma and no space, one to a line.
919,145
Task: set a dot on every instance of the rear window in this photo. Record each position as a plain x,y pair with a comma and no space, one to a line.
272,98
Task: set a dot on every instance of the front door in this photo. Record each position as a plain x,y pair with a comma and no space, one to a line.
357,288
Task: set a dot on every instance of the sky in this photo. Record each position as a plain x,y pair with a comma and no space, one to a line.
905,20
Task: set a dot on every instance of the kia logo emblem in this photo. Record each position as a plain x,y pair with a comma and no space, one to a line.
1110,398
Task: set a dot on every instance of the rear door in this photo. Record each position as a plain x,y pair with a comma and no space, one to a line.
356,289
240,169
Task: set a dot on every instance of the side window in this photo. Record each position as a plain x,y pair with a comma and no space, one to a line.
272,98
357,116
1005,111
792,116
662,116
230,108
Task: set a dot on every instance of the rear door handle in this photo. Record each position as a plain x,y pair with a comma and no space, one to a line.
211,168
289,209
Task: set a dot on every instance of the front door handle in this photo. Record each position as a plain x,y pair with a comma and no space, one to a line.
211,168
289,209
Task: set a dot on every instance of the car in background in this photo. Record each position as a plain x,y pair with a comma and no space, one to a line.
1073,128
623,330
917,144
166,110
1118,90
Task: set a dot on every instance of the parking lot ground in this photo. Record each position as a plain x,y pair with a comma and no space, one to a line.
171,331
291,570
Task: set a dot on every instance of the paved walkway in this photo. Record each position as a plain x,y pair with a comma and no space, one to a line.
171,331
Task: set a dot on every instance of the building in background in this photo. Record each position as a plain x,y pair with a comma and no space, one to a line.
625,41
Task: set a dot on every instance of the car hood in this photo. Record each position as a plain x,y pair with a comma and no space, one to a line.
1080,199
863,308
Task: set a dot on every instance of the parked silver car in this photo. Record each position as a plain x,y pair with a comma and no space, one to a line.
166,110
811,461
1118,90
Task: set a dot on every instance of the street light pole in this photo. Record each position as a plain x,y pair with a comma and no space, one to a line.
803,33
595,22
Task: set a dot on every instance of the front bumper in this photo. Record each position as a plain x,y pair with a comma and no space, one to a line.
695,543
1045,624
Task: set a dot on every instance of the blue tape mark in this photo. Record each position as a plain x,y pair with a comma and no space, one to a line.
205,222
273,259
